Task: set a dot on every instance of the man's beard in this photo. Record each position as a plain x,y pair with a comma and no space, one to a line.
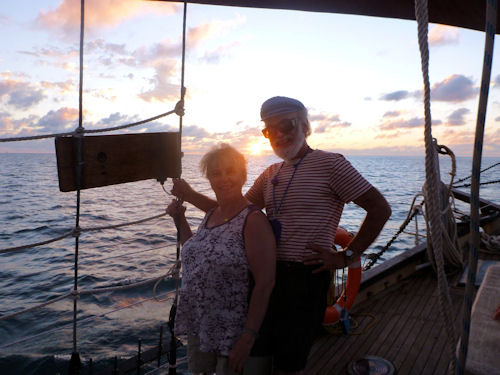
289,153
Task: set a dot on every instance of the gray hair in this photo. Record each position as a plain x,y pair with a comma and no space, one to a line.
304,121
220,152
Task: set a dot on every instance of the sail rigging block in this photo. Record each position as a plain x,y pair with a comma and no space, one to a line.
115,159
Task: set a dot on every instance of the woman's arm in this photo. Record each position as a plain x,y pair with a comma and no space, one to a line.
177,211
261,253
184,191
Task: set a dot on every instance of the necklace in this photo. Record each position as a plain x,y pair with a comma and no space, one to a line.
274,181
275,223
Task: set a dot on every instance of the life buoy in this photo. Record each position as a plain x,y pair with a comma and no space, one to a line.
346,299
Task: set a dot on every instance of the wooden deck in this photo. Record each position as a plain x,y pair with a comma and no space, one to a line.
407,330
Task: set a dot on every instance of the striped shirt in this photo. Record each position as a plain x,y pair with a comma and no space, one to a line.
312,206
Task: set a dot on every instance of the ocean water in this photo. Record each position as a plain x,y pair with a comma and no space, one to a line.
32,209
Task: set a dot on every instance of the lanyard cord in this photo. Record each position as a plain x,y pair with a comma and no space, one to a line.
274,181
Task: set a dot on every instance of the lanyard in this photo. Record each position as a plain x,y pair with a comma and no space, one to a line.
274,181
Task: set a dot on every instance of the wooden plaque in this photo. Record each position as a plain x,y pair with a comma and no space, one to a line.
115,159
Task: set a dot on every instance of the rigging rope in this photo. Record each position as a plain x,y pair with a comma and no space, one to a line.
90,131
483,170
82,321
172,357
173,271
374,257
432,181
490,29
76,232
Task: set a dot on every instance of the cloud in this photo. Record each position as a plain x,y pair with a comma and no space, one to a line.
455,88
496,82
415,122
441,35
396,95
457,117
65,19
10,127
391,114
195,131
61,120
162,89
216,55
20,95
324,123
206,30
400,95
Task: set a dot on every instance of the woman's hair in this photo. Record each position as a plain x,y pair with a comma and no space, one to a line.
223,151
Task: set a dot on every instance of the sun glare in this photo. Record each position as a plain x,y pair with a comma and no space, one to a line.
255,148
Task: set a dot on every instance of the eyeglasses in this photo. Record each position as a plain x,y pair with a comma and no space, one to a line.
284,126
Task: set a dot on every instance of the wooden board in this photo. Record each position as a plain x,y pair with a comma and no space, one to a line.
115,159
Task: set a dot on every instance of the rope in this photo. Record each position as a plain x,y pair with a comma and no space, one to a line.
124,224
481,184
484,170
87,261
36,307
490,29
78,180
82,321
77,232
172,357
29,246
75,294
89,131
179,361
374,257
432,174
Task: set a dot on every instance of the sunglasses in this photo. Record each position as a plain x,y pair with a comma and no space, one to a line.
284,126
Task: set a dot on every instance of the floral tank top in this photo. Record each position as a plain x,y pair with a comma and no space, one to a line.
213,299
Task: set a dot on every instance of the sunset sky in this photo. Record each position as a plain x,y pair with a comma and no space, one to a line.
359,76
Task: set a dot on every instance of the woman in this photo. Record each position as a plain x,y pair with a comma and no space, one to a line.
233,249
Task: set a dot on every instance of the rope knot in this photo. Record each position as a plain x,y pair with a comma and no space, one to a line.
75,294
76,232
176,269
79,131
179,108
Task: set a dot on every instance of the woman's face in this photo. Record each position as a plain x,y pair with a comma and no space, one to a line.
226,178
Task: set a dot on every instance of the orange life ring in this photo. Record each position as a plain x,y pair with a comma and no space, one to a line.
346,299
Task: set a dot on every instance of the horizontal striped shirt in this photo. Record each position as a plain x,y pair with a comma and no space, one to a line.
311,207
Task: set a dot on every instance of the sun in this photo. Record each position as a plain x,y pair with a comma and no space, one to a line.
255,148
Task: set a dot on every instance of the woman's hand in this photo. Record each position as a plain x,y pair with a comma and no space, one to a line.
176,209
181,189
240,352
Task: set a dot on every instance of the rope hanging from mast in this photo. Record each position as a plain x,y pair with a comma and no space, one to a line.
172,357
433,182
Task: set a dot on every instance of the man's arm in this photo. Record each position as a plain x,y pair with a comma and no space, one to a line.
185,192
378,212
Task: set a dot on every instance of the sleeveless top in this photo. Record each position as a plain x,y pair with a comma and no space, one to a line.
213,299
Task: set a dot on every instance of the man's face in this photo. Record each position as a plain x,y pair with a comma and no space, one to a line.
286,135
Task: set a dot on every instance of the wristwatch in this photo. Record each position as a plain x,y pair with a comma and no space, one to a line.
348,255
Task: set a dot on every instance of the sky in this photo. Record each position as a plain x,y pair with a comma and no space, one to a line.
359,77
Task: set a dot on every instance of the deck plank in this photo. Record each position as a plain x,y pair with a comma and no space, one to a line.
409,331
384,307
415,359
329,348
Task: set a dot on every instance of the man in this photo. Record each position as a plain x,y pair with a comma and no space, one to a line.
304,197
